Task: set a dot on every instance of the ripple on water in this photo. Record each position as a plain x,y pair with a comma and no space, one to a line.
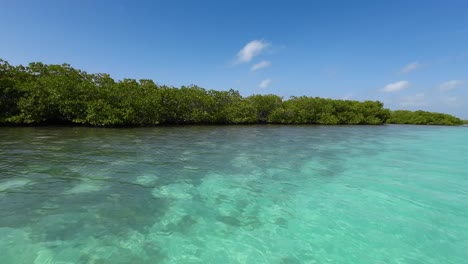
147,180
13,184
85,186
174,191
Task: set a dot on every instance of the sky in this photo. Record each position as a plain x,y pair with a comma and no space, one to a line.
407,54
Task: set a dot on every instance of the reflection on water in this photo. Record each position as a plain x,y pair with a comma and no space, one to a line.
234,194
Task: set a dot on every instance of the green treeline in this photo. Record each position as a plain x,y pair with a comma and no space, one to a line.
422,118
60,94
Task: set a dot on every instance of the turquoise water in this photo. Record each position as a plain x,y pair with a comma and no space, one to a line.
234,194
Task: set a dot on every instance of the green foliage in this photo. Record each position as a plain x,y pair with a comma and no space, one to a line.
45,94
9,92
264,105
308,110
423,118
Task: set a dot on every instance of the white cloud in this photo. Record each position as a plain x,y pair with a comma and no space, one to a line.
452,101
450,85
264,84
260,65
411,67
250,50
415,100
396,86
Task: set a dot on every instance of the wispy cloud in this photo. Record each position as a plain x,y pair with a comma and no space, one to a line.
264,84
260,65
250,50
415,100
452,101
450,85
396,86
411,67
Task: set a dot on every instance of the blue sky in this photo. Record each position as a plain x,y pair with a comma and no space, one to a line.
407,54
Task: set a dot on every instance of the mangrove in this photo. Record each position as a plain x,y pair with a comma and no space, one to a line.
60,94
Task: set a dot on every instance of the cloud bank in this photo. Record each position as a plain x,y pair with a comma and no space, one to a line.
415,100
411,67
264,84
450,85
250,50
260,65
396,86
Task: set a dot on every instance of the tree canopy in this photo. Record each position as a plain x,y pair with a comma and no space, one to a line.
59,94
422,118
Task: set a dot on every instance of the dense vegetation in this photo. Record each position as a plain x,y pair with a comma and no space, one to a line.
422,118
60,94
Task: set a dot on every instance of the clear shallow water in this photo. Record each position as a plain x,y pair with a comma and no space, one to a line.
253,194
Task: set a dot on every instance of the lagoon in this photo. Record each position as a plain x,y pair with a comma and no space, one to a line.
234,194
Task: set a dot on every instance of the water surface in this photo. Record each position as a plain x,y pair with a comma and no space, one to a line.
234,194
